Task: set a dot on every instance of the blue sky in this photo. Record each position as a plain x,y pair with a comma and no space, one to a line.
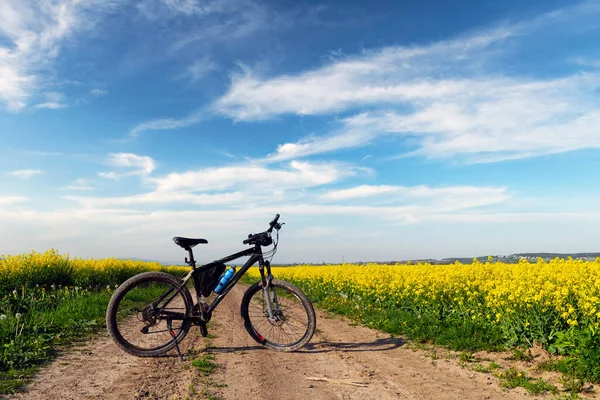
378,130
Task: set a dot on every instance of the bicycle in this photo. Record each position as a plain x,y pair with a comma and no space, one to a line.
269,307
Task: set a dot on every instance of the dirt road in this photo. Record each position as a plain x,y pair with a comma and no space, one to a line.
350,362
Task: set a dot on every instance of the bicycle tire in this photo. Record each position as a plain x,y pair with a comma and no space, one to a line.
257,290
113,324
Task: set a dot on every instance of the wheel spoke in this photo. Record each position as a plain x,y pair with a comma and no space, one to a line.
291,318
138,315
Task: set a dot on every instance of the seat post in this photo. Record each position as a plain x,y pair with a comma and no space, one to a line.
192,261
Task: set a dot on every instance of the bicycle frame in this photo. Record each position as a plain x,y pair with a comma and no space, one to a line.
255,255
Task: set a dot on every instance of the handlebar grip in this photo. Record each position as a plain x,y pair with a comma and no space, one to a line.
246,241
275,220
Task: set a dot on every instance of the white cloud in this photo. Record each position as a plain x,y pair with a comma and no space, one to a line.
127,233
26,173
226,203
34,32
144,163
155,9
199,69
483,120
162,198
8,200
54,101
358,192
50,105
217,21
423,200
240,185
224,21
136,165
447,98
167,123
80,184
256,177
98,92
322,144
187,6
387,76
503,120
512,218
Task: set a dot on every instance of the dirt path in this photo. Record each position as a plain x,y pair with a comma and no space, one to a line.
384,367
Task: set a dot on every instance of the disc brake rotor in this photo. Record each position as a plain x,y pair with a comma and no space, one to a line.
278,318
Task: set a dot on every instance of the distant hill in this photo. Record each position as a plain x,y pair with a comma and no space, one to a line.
528,256
559,255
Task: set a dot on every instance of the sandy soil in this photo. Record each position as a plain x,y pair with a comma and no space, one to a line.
341,362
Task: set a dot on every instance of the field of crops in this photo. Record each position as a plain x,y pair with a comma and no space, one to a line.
470,306
49,299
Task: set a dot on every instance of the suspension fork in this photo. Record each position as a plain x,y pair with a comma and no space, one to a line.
270,295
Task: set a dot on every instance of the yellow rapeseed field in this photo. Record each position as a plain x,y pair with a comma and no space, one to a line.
53,268
531,299
527,301
464,306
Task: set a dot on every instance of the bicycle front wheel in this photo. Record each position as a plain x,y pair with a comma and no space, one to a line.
146,311
294,320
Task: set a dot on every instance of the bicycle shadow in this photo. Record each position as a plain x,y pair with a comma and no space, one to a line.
325,346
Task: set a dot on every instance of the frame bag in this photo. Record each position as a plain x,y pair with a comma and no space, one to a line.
208,277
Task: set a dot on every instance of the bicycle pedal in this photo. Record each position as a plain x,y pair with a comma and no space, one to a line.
203,330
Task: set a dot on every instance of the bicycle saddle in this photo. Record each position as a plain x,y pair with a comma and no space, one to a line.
188,243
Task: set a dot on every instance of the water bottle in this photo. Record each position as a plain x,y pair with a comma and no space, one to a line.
225,279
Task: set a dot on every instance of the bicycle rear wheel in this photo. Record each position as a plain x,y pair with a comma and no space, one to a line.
138,314
294,319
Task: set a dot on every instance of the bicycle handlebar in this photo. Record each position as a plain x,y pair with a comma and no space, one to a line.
264,237
274,224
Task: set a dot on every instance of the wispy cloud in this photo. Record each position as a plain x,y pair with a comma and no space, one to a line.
422,200
34,32
56,154
292,188
132,163
166,123
80,184
393,75
297,175
50,105
26,173
162,198
98,92
8,200
152,229
223,21
358,192
234,185
445,96
199,69
54,101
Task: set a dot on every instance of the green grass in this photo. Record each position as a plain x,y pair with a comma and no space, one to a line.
435,324
521,355
453,333
567,396
205,364
466,357
512,378
48,319
572,384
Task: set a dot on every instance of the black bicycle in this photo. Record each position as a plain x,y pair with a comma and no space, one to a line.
276,313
